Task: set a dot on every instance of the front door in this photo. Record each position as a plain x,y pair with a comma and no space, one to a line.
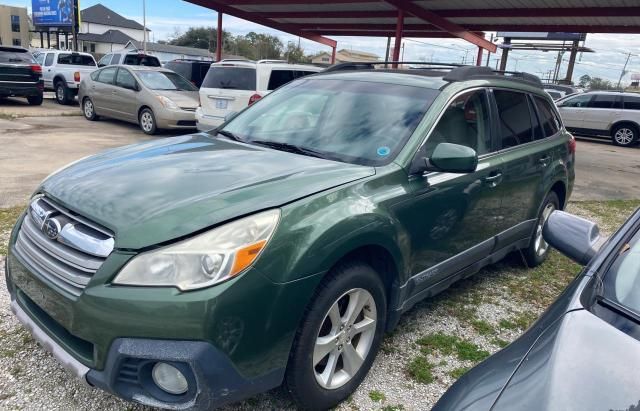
124,96
451,218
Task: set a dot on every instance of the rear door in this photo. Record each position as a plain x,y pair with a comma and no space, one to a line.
573,111
227,88
102,89
603,110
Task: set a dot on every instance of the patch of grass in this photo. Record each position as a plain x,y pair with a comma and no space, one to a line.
611,214
520,321
7,352
420,370
499,342
377,396
458,372
508,325
16,371
450,344
482,327
8,217
398,407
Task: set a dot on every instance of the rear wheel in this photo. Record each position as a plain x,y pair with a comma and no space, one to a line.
62,93
147,121
624,135
538,248
35,100
338,338
89,110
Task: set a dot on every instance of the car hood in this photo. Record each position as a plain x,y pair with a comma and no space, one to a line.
155,192
184,99
581,363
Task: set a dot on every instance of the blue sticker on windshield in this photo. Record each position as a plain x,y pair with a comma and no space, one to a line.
383,151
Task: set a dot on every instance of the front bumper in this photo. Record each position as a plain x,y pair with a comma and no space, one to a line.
176,119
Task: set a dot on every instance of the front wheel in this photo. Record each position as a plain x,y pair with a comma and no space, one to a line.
338,339
624,135
538,248
147,121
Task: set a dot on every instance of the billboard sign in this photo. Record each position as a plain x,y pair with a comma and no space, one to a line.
54,13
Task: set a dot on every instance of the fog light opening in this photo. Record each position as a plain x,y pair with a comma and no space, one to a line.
169,378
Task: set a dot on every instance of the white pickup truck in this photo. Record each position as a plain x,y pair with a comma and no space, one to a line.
63,70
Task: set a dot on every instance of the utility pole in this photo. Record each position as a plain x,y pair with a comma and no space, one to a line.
144,26
624,69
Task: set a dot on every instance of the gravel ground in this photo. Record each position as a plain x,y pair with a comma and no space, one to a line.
486,310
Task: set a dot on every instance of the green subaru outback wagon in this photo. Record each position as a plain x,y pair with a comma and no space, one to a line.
194,271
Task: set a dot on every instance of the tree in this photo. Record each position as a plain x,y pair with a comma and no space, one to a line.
597,83
200,37
584,80
295,54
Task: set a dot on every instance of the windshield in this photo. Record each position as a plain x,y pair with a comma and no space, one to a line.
141,60
622,281
356,122
161,80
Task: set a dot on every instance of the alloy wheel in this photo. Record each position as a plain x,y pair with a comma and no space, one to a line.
541,245
146,121
345,338
624,136
60,93
88,108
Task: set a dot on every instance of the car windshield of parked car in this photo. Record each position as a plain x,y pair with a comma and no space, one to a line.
622,281
76,60
162,80
15,56
357,122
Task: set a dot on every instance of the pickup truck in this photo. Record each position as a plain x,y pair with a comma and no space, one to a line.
63,70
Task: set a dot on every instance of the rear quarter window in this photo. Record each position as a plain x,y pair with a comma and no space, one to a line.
632,103
233,78
279,78
548,120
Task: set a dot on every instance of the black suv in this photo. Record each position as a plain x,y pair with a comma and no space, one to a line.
20,75
192,70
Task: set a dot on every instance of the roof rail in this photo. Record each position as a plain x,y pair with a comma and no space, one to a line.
267,61
229,60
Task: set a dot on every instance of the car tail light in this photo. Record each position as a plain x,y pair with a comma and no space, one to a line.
76,76
36,69
254,98
572,145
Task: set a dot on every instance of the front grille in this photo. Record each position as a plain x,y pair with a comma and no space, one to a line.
187,123
188,109
61,246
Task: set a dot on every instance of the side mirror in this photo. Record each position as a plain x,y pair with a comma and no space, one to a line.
447,157
573,236
230,116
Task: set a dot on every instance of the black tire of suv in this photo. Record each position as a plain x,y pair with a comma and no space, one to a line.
531,256
93,116
630,127
62,96
300,380
35,100
154,127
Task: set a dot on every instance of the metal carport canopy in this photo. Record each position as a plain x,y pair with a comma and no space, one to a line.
465,19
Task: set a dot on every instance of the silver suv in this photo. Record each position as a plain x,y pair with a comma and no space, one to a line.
611,114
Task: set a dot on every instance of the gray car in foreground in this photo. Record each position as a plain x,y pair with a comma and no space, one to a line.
152,97
584,352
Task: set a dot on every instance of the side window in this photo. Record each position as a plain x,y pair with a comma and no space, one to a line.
49,59
548,119
104,61
465,122
40,59
514,118
125,79
631,103
107,75
115,59
577,101
279,78
606,101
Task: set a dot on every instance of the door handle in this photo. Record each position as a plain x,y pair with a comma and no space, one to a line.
545,161
493,179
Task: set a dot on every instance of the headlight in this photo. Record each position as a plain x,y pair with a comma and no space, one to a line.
206,259
168,103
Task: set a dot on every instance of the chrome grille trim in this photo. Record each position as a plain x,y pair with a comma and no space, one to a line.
69,255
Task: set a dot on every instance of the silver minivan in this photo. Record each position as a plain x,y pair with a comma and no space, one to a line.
152,97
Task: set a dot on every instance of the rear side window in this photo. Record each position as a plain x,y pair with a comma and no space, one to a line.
233,78
107,75
514,118
631,103
15,56
605,101
548,119
279,78
76,60
141,60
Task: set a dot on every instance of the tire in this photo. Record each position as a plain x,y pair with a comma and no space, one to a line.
89,110
538,249
624,135
35,100
62,93
147,121
307,379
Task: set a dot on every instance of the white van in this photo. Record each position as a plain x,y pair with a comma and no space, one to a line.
231,85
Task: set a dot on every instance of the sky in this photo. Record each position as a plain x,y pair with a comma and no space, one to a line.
165,17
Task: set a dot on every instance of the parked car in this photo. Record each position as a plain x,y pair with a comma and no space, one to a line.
231,85
129,58
608,114
583,353
202,269
63,71
558,91
152,97
20,75
193,70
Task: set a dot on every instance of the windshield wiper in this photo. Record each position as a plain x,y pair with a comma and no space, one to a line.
228,135
289,148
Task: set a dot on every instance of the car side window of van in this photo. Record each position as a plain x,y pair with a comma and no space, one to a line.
606,101
279,78
548,120
514,118
631,103
465,122
577,101
49,59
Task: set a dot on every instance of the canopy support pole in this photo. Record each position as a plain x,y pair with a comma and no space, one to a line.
398,40
219,38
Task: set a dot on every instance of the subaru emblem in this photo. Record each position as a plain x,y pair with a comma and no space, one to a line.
51,228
